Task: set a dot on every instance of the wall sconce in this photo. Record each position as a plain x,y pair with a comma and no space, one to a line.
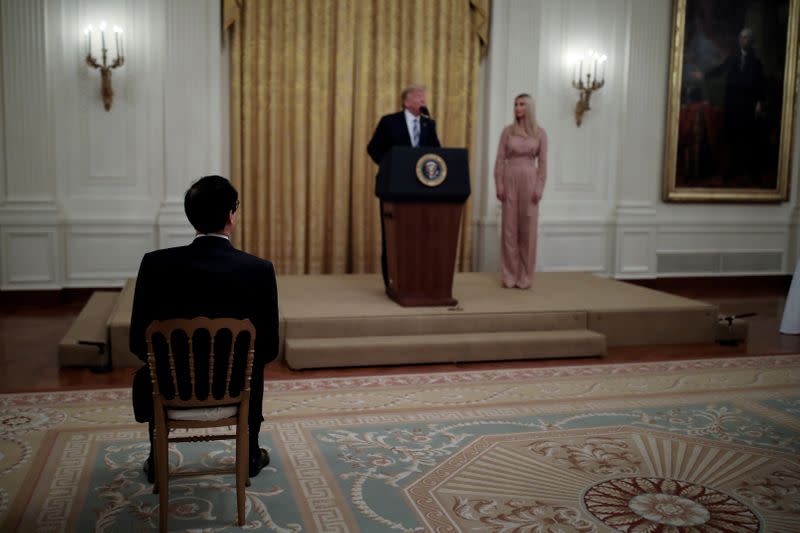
105,69
590,62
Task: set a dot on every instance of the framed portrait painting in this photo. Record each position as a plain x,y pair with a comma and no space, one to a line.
731,101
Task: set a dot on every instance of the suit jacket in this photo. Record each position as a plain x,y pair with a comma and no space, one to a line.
393,131
745,85
209,278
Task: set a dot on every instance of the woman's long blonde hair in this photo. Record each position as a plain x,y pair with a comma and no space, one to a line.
529,123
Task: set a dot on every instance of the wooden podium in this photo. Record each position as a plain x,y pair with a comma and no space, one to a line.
423,191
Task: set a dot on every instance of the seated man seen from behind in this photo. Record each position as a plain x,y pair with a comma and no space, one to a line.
210,278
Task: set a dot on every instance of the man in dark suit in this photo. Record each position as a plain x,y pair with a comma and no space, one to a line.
208,278
745,91
410,127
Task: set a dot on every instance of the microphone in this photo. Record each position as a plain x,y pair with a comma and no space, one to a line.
425,113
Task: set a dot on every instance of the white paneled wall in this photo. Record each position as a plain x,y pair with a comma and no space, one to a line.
29,220
602,208
85,192
30,255
645,60
196,123
103,254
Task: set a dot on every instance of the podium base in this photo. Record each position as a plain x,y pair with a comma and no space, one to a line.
421,301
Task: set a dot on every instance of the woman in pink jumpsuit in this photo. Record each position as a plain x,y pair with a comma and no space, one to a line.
519,174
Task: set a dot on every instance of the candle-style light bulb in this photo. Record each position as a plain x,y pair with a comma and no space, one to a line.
603,59
574,62
103,35
88,33
117,31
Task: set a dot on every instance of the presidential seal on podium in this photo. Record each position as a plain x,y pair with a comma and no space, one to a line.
431,170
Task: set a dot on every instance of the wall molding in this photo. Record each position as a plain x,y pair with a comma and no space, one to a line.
105,255
31,257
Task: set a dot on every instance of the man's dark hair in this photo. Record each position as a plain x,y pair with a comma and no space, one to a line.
208,202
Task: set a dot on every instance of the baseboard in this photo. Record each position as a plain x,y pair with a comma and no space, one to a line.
12,300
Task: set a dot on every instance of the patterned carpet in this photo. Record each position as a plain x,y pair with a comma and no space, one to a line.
700,446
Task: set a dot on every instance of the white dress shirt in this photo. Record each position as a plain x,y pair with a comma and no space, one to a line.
221,235
410,118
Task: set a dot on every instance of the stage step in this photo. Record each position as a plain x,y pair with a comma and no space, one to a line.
441,348
424,323
86,342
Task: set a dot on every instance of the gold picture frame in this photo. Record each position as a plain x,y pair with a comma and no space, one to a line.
730,111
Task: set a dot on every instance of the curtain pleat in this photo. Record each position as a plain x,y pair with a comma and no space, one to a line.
309,81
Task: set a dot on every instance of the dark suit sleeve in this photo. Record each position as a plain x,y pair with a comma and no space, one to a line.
141,315
379,144
759,81
434,139
723,67
267,341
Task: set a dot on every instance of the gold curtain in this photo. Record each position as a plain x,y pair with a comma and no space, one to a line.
309,81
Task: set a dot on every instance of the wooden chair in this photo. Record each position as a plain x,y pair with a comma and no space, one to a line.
177,408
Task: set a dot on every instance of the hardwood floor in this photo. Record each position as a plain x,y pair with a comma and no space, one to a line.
32,325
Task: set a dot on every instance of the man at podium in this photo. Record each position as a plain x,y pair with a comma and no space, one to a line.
412,126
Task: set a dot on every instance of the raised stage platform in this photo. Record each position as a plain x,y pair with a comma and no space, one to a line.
347,320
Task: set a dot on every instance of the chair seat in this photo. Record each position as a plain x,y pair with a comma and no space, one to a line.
205,414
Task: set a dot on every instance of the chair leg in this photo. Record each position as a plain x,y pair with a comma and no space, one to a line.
155,481
242,473
162,477
154,450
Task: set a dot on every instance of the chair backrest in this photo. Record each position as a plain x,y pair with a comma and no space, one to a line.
192,358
